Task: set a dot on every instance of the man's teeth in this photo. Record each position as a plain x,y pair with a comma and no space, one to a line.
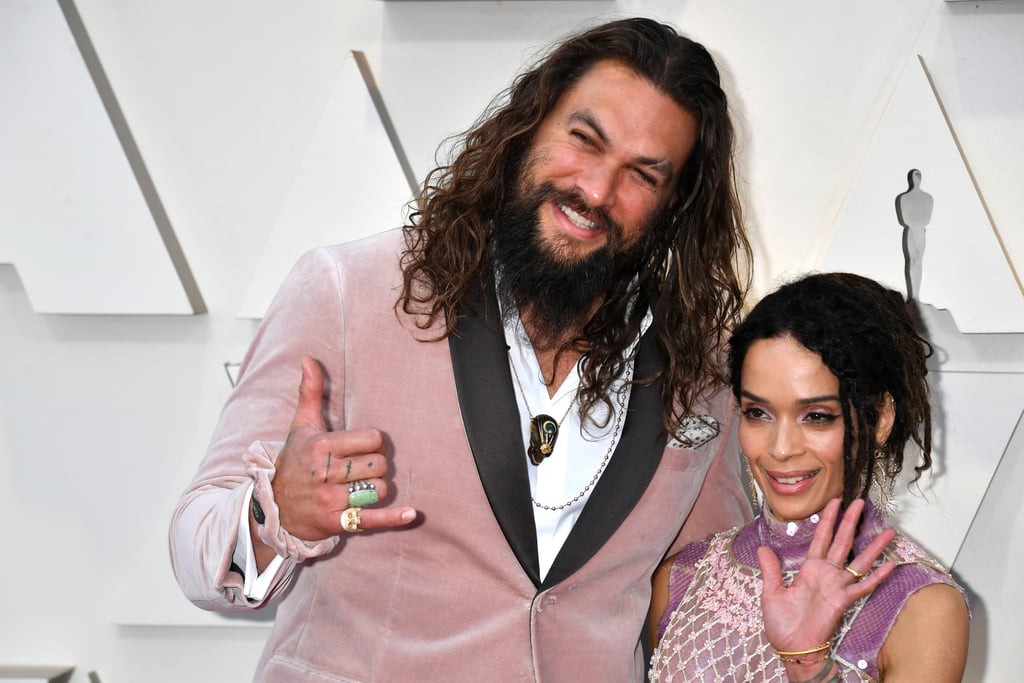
577,220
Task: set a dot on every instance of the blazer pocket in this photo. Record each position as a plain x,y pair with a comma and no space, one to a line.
683,459
688,448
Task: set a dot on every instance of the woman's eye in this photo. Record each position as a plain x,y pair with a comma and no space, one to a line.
821,417
754,413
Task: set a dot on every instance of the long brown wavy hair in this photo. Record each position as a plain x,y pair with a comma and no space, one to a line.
697,270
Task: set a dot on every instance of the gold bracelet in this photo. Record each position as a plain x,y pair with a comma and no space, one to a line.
814,650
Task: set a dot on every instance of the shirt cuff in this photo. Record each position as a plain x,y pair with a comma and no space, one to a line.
256,585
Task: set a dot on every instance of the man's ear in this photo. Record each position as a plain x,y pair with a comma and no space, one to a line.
886,418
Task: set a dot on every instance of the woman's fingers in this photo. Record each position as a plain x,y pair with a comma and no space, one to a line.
822,538
845,533
873,550
771,568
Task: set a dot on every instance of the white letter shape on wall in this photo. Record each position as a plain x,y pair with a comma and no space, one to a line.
79,216
354,182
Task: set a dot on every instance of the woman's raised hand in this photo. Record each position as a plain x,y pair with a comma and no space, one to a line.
805,614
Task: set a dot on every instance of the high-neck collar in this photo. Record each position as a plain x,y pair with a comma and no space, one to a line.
791,540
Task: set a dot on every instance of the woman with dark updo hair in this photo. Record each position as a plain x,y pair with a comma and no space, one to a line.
829,373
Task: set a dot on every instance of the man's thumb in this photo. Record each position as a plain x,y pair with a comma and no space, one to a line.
309,411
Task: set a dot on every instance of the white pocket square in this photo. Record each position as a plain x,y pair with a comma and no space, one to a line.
694,431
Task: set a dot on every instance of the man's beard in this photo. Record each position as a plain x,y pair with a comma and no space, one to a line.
554,290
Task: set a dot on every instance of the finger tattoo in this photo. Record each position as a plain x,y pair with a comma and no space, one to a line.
348,468
328,470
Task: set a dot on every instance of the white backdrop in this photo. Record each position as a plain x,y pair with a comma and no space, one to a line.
103,418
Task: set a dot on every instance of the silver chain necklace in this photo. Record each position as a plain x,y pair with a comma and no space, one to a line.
620,416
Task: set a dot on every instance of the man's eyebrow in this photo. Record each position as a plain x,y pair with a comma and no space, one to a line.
586,117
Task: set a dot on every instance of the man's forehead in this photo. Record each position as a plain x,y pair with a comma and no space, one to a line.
615,103
598,88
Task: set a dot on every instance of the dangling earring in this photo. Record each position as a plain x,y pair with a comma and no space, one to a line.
883,493
748,474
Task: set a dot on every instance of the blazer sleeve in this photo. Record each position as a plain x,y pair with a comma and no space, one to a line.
305,318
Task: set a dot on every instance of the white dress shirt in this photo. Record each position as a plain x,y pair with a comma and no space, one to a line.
578,455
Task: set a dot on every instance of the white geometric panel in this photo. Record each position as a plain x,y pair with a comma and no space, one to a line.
975,415
989,565
964,267
955,351
79,216
354,182
165,605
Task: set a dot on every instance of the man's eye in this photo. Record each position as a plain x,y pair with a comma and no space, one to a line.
582,137
646,177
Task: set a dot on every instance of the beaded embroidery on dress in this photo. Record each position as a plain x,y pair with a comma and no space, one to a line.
715,631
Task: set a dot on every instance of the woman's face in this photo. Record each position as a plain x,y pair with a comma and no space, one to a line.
791,427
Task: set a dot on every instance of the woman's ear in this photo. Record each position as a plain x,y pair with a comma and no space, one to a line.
886,418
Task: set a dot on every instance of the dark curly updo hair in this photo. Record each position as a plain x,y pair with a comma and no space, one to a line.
865,336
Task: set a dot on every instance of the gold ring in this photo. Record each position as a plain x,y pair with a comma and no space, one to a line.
856,574
846,568
350,520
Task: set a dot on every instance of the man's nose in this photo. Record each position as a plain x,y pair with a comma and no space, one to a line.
598,184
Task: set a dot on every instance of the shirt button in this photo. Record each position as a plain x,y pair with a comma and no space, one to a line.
862,664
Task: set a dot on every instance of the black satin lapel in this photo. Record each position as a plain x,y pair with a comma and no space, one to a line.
636,459
489,412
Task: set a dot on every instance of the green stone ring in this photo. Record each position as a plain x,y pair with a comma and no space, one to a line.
362,493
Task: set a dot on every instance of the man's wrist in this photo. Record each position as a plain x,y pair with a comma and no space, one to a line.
257,511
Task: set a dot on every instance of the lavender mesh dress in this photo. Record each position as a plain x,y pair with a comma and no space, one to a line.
713,630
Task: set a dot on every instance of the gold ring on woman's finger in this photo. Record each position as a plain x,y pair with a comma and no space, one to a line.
350,520
856,574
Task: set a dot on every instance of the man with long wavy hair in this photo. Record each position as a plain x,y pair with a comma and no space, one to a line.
518,395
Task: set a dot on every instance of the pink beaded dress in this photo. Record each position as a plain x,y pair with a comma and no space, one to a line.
713,629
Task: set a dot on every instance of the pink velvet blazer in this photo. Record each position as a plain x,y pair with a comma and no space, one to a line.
457,596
